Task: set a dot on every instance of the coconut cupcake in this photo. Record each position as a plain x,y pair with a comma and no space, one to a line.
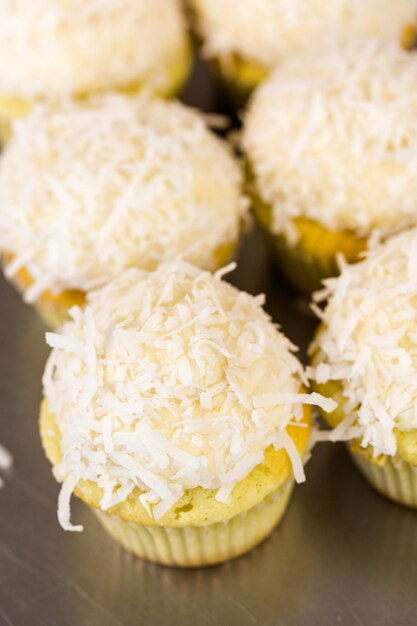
331,147
365,356
52,49
175,409
248,39
92,188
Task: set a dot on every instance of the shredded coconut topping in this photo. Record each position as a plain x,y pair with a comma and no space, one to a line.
368,343
333,138
52,48
270,31
167,381
89,189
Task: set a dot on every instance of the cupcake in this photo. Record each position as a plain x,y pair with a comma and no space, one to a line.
331,149
248,39
365,356
175,409
92,188
52,49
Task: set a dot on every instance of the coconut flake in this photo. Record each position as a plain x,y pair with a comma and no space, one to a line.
288,444
316,399
64,499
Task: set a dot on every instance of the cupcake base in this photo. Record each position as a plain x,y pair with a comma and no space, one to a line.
196,546
239,77
53,309
52,312
313,257
393,478
304,271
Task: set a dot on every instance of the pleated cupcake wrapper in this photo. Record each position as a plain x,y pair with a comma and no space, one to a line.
195,546
396,479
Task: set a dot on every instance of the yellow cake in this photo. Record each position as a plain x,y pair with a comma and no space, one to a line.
174,408
91,188
313,255
364,356
47,50
249,39
329,143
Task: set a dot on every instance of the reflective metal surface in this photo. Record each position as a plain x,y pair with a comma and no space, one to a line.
342,555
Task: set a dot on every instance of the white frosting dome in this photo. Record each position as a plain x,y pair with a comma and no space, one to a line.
333,138
368,343
270,31
89,189
51,47
170,380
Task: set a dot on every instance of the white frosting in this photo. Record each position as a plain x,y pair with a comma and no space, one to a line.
369,343
89,189
57,47
333,138
269,31
170,380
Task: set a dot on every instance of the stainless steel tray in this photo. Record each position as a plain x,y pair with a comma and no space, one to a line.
342,555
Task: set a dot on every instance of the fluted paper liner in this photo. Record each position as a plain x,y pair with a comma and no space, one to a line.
394,478
195,546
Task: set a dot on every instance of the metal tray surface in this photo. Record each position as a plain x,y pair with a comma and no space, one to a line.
342,554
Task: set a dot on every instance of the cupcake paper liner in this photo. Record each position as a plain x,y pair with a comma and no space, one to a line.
195,546
396,479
